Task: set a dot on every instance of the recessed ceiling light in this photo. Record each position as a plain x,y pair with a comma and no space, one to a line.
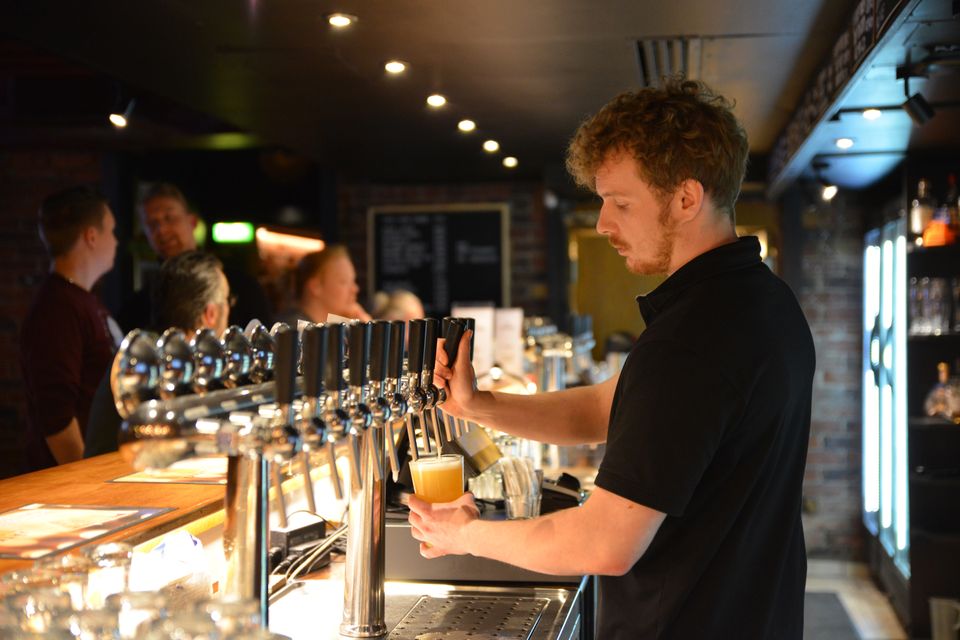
341,20
491,146
395,66
436,100
510,162
844,143
117,120
466,125
872,114
829,190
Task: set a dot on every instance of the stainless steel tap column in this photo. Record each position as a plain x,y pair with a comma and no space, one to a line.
363,594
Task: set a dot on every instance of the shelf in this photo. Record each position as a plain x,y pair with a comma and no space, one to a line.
943,337
924,422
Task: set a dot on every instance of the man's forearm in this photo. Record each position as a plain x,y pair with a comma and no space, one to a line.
66,445
574,416
557,544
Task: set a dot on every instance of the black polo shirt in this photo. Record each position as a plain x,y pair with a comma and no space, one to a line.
709,425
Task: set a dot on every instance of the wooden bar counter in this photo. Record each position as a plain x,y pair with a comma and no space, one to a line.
87,482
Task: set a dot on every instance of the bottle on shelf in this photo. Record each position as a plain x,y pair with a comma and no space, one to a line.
952,202
921,211
942,229
943,400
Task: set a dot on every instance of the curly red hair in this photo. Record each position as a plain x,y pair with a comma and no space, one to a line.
678,131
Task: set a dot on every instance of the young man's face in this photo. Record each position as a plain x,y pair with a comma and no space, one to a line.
637,224
169,226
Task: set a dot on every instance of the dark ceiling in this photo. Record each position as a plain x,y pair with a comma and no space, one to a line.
205,73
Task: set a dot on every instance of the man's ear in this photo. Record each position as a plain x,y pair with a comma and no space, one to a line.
209,315
689,200
89,235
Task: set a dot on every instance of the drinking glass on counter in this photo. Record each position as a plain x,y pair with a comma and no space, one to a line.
133,608
109,574
438,478
233,615
521,488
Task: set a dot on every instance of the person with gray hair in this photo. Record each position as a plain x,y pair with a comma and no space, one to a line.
190,293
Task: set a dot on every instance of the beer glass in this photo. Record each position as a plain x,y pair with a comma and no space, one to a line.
438,478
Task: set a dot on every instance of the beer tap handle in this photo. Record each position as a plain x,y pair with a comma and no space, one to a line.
469,324
431,333
379,350
453,331
418,330
286,367
359,336
314,352
395,357
333,381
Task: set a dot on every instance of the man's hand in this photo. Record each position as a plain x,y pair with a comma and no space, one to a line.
440,527
458,378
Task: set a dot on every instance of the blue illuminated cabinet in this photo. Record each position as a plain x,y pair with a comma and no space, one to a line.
911,464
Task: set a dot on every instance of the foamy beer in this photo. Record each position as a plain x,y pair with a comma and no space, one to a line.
438,478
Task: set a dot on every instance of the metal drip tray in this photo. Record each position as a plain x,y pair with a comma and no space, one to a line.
457,617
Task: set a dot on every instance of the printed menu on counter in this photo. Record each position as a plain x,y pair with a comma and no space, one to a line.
35,530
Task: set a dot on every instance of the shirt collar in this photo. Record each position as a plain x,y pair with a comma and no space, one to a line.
743,252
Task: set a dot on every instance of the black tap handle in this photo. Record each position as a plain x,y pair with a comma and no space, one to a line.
451,336
395,360
430,343
418,329
470,324
379,349
333,365
359,352
314,352
285,374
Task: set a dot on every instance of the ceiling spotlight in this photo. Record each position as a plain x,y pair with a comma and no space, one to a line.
918,109
872,114
510,162
844,143
395,67
341,20
491,146
827,189
436,100
466,125
120,119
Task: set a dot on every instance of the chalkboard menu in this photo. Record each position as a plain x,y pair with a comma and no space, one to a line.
442,253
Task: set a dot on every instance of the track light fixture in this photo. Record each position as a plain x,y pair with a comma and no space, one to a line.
916,106
120,119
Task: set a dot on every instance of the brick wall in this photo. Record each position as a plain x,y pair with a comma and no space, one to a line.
528,227
26,177
826,242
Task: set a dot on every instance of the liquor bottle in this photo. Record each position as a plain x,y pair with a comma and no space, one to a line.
939,400
921,211
952,202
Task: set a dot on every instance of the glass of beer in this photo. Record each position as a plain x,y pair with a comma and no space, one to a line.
438,478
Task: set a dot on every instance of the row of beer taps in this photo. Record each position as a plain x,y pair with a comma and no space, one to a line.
326,407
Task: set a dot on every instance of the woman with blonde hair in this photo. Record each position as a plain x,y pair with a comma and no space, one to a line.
325,282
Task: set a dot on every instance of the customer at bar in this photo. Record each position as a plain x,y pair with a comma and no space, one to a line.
191,292
694,526
68,337
169,225
325,282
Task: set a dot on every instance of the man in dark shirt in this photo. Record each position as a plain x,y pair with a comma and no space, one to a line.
190,293
68,337
169,226
694,527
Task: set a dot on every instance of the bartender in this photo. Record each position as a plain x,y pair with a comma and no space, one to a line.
694,526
